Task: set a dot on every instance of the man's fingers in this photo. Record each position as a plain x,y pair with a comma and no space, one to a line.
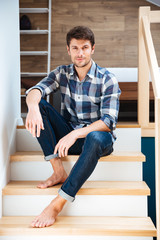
56,149
34,126
30,126
27,124
38,130
39,127
66,152
42,126
33,129
61,150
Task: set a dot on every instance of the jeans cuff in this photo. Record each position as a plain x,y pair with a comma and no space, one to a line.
49,157
65,195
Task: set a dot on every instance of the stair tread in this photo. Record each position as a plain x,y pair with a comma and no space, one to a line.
117,156
88,188
69,225
119,125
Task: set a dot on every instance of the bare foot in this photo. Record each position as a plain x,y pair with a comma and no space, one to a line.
59,175
49,214
53,180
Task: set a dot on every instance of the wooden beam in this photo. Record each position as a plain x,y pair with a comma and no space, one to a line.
151,56
143,74
157,164
154,16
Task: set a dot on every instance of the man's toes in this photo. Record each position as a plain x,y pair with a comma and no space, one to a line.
41,224
37,224
43,185
48,224
40,185
34,222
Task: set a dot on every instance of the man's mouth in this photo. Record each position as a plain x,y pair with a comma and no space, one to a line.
80,59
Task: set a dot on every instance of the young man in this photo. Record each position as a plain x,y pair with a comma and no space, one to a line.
89,112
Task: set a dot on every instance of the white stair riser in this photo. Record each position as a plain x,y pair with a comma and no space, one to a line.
84,205
73,238
104,171
25,141
128,139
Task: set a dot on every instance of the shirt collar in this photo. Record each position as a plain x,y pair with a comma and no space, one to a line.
72,70
90,73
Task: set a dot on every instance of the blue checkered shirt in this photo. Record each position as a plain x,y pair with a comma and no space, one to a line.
83,102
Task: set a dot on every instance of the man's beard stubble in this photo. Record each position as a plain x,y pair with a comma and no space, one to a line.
85,64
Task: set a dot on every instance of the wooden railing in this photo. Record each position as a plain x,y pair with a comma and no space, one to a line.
148,65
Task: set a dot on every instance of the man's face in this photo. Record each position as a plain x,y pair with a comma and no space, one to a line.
80,52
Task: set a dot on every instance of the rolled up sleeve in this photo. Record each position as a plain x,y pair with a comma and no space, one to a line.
48,84
110,101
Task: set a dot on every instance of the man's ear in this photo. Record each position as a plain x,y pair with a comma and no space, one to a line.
68,50
93,48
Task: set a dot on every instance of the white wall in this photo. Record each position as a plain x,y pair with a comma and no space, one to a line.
9,83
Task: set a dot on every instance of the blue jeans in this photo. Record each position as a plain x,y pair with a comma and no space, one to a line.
95,145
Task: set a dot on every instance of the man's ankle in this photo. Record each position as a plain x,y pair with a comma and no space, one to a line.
56,162
58,202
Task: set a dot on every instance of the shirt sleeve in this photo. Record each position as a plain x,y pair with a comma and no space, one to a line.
110,101
48,84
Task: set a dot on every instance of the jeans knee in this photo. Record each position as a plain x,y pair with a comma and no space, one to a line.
99,140
94,138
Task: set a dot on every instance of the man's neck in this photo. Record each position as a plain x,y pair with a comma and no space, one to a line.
82,71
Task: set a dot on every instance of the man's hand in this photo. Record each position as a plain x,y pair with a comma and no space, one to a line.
65,143
34,122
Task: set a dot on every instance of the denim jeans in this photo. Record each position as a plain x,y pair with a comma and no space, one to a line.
90,149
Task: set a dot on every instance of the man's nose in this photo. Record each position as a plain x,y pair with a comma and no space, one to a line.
80,52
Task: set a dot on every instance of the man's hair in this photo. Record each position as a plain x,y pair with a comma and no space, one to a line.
80,32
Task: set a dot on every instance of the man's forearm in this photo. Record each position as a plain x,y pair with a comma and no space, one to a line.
96,126
34,122
33,98
67,141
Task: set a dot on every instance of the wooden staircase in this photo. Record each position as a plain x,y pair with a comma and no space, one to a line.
111,205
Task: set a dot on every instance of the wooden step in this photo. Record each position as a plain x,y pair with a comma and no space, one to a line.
89,188
90,226
114,157
119,125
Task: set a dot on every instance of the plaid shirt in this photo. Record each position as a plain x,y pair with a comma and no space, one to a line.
83,102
